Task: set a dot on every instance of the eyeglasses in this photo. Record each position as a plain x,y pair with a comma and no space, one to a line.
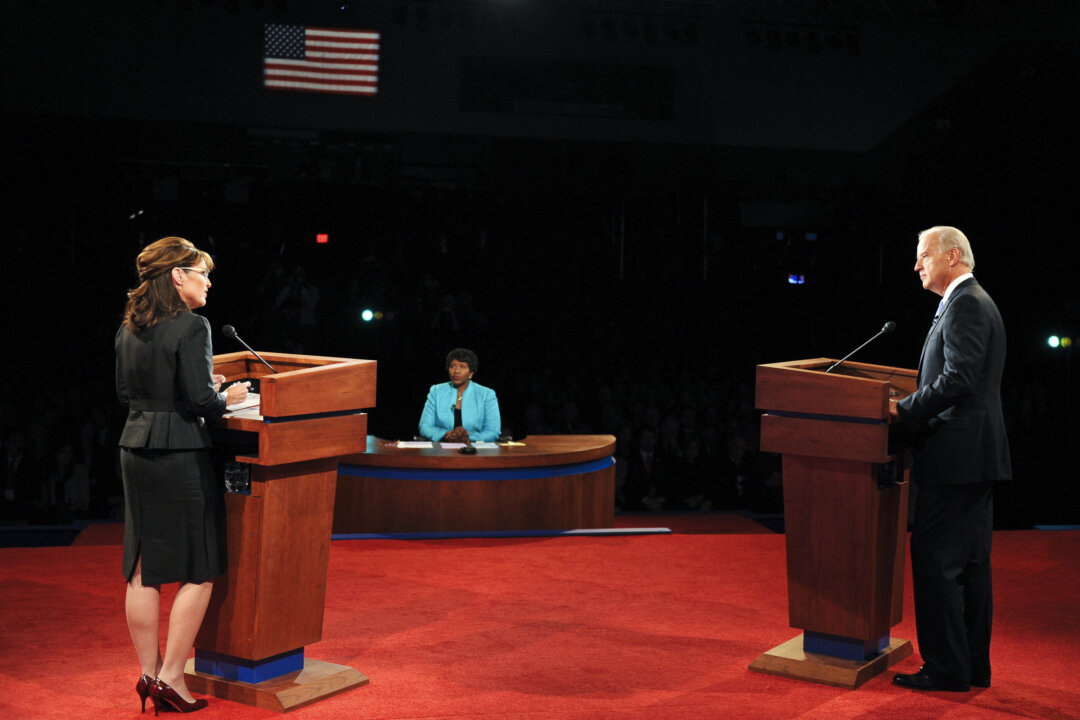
200,271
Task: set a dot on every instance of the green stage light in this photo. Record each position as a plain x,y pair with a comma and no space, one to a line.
1066,342
1053,341
367,315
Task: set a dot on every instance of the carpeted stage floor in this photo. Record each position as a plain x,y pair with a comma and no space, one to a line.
640,627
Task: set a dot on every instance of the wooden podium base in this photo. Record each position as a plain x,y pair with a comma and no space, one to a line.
789,660
316,681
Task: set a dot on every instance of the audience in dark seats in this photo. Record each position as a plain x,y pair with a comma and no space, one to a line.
648,476
21,482
694,475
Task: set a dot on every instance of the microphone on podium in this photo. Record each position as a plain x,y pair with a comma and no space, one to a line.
468,449
230,332
885,330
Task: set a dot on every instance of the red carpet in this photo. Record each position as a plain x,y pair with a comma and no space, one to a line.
101,533
572,628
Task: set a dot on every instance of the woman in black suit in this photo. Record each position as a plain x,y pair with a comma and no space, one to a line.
174,520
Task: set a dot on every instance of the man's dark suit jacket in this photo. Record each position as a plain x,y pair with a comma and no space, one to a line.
164,375
957,408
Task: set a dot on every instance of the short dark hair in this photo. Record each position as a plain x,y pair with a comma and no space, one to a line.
466,356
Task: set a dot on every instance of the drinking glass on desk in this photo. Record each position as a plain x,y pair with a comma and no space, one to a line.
238,477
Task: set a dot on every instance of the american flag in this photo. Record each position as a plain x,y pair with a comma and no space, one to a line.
323,60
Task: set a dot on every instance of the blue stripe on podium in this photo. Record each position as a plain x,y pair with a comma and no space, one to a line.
843,647
245,670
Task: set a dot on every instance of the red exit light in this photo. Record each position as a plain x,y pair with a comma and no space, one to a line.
322,238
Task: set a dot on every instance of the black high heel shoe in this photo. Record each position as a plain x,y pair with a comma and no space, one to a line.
143,688
167,697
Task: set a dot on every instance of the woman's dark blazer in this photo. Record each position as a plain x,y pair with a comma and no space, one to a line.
164,376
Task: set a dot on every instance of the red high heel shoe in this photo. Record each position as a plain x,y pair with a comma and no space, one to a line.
165,695
143,688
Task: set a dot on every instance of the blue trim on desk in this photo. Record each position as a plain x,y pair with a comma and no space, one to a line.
474,474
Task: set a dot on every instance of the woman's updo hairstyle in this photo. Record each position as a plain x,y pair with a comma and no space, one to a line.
155,299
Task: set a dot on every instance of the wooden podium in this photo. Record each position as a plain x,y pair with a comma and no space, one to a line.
845,515
250,648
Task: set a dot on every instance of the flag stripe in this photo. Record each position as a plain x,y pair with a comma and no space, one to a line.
364,77
322,62
342,56
348,46
331,32
323,87
284,65
320,59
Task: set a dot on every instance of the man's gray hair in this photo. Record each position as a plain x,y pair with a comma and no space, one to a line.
948,238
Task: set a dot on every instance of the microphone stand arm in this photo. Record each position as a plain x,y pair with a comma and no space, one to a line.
841,360
237,338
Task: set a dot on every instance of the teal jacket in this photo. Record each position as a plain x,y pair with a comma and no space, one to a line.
479,412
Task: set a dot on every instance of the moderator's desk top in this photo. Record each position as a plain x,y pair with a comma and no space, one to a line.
538,450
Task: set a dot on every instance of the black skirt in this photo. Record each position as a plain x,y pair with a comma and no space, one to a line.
174,516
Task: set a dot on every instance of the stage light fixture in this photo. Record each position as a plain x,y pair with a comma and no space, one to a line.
367,315
1053,341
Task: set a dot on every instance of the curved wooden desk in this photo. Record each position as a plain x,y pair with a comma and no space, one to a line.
552,482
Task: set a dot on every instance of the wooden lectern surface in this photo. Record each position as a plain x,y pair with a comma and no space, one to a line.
853,390
304,384
310,410
844,414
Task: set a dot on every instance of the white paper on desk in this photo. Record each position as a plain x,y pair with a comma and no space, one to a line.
424,444
252,401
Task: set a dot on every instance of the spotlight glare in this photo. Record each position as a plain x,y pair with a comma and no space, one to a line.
367,315
1053,341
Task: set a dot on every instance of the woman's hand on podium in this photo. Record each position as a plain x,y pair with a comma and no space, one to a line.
237,393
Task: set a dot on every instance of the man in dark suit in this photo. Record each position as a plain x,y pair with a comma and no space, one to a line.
960,450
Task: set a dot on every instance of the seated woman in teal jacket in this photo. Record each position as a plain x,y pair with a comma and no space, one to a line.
461,409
